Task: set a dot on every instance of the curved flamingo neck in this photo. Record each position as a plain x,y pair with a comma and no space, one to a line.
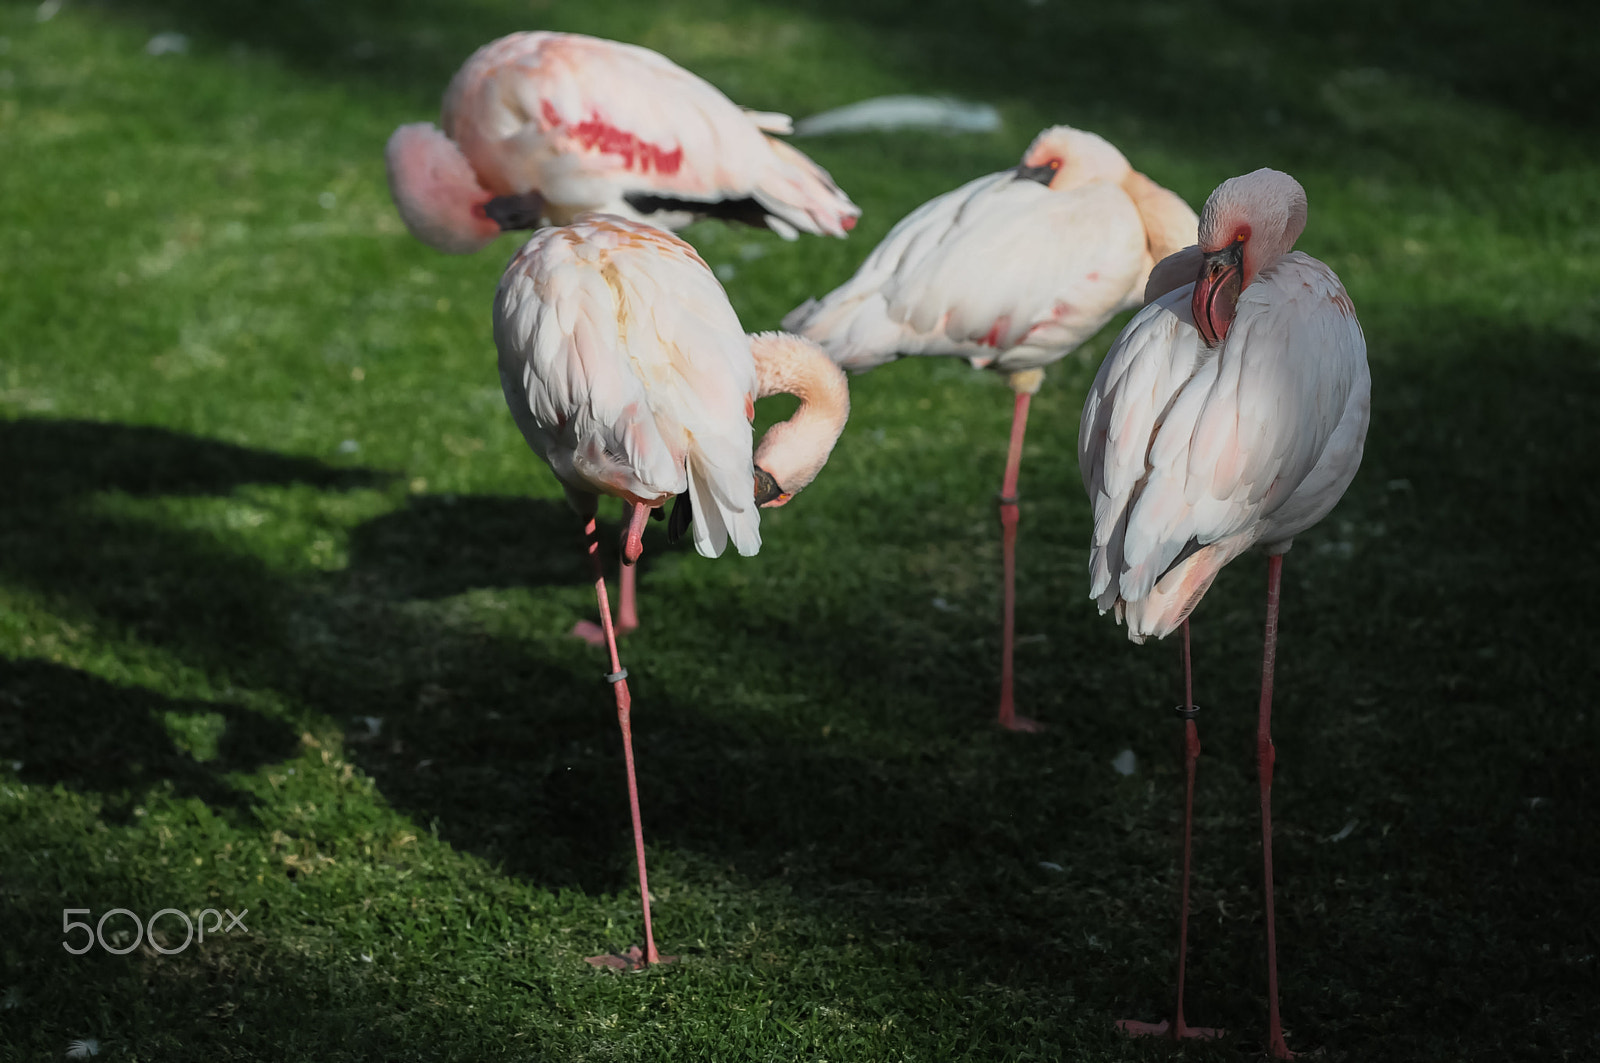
794,451
1170,225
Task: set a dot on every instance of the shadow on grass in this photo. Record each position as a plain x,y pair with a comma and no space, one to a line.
1388,716
69,727
167,586
1403,713
49,463
437,546
66,727
1244,77
411,45
1210,72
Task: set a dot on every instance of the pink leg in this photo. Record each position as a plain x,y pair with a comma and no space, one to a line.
618,678
1265,755
633,534
1008,551
628,610
628,613
1177,1029
632,547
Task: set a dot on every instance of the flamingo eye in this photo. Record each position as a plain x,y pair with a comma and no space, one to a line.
1054,164
1239,238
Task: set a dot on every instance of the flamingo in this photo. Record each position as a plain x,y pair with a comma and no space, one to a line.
545,126
627,371
1230,413
1011,271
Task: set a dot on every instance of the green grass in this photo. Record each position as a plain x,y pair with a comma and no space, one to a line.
257,482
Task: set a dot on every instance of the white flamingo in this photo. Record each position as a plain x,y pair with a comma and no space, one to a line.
627,371
541,127
1012,271
1230,413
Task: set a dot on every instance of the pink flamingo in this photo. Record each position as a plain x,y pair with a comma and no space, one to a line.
1011,271
1230,413
541,127
627,371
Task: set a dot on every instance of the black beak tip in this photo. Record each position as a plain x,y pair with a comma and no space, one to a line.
512,213
1041,174
1231,256
767,489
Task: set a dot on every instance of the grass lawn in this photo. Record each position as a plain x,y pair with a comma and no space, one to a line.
284,597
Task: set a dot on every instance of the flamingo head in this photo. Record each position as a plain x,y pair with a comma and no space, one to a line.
1248,223
1062,157
437,192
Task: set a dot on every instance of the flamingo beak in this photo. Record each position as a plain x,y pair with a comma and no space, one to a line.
1216,292
768,494
525,210
1043,174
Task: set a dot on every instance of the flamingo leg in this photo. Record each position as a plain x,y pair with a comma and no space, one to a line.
628,608
635,516
618,678
1265,756
633,533
1176,1028
1009,516
632,547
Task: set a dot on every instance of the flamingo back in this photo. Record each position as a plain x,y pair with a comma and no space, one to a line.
627,371
586,121
1002,270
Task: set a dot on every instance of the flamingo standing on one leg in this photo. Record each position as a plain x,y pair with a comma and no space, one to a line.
1230,413
627,371
545,126
1012,271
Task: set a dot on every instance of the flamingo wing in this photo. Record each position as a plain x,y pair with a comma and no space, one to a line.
1001,270
1191,455
627,370
597,124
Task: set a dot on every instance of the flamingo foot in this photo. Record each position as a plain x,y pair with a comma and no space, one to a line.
1135,1028
1024,724
632,959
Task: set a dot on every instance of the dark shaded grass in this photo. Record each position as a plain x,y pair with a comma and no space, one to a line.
91,736
888,837
1134,57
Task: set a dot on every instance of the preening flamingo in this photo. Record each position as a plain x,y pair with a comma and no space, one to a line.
1230,413
541,127
627,371
1011,271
